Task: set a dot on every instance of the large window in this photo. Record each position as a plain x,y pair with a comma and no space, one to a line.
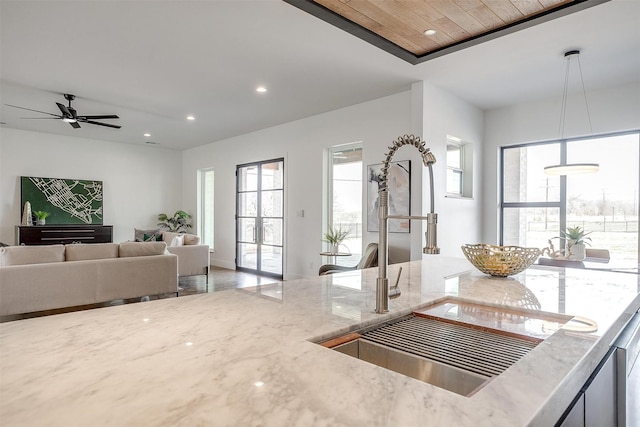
535,207
345,198
205,206
459,168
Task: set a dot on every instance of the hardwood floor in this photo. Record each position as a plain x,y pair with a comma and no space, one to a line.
220,279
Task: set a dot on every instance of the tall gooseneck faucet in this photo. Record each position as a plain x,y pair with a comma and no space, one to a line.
431,247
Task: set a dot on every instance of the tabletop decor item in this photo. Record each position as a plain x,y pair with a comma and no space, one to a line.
27,218
41,217
500,261
334,237
577,240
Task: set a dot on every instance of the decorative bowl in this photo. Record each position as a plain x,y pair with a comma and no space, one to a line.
500,261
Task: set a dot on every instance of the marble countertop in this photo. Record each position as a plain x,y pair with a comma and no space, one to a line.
246,357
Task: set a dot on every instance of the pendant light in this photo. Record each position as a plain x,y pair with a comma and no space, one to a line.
572,168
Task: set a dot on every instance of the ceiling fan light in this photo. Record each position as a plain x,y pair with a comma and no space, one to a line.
572,169
69,120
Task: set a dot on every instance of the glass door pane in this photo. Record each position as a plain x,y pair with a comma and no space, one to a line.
260,221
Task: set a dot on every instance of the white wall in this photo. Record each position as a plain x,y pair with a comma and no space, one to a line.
424,109
139,181
613,109
302,143
459,219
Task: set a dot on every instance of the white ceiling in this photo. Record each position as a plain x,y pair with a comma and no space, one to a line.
154,62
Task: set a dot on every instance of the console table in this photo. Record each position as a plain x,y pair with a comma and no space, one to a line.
63,234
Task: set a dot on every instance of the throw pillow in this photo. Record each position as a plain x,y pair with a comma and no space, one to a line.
139,234
152,237
177,241
191,239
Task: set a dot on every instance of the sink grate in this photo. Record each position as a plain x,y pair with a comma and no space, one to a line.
484,353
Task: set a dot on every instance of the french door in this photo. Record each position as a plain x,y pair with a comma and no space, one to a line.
260,217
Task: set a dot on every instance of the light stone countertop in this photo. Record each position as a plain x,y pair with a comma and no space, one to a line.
245,357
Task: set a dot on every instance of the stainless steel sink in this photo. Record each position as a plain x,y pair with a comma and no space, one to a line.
452,356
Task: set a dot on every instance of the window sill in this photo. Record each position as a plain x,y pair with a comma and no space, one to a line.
457,196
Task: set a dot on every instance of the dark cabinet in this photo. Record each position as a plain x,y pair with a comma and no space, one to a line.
63,234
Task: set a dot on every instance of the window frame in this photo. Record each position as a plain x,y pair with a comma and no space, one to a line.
202,229
561,204
329,214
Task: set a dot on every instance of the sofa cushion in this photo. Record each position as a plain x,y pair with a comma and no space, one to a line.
189,239
22,255
80,252
139,234
174,239
131,249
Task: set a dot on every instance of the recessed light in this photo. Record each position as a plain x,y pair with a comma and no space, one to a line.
258,384
261,89
147,135
189,344
190,118
430,32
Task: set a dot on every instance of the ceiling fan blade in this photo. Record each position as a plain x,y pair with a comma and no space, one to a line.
75,125
41,118
101,124
107,116
65,111
29,109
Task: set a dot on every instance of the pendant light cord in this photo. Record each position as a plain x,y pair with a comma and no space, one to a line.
584,94
565,94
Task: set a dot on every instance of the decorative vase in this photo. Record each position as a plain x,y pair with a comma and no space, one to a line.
41,221
335,248
26,214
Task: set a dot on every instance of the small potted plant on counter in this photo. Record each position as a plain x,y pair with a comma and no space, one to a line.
576,239
41,217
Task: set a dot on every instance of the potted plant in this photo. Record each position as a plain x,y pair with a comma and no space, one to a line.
178,223
576,239
334,238
41,217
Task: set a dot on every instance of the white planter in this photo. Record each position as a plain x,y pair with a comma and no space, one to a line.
577,252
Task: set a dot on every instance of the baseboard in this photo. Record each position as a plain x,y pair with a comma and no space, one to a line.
223,264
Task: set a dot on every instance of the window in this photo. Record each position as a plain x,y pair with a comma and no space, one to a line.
459,168
345,198
535,207
205,206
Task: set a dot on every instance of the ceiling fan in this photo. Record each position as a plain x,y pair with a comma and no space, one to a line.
70,115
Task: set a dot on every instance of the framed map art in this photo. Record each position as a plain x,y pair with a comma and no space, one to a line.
68,201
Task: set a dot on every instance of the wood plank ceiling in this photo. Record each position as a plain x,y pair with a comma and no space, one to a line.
402,23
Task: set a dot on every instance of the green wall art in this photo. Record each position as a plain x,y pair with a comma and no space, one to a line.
69,201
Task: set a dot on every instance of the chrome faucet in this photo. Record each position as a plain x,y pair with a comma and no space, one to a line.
431,246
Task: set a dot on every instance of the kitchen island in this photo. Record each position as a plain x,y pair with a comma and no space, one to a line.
249,357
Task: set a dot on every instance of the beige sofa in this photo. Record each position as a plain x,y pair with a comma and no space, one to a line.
193,258
36,278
